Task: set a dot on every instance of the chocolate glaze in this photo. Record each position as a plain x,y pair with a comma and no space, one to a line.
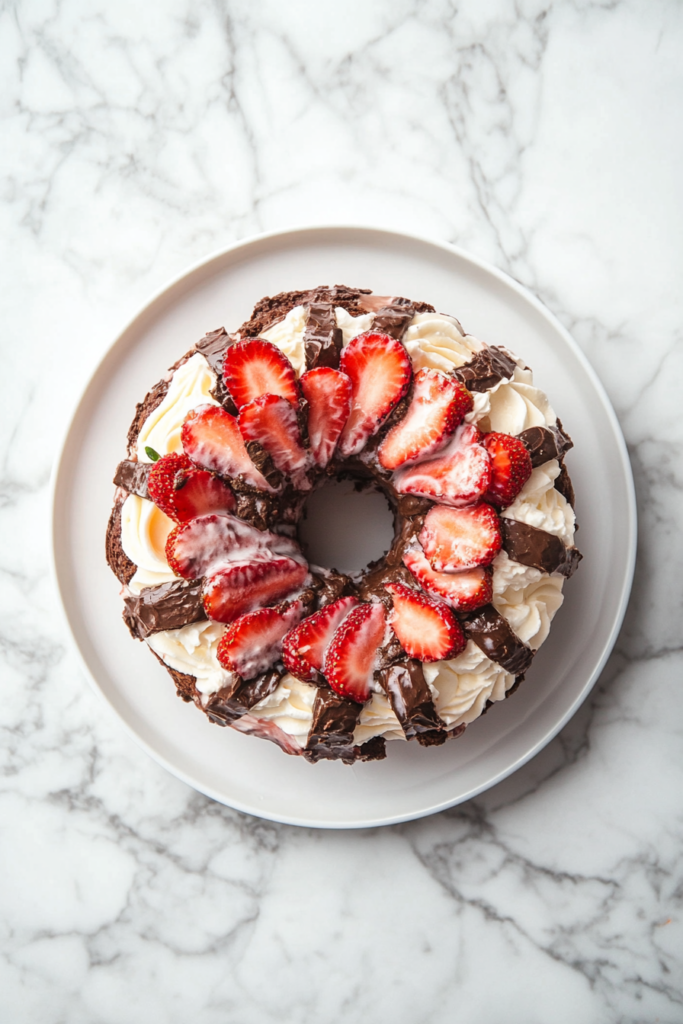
411,698
538,548
330,586
133,477
488,368
213,347
546,443
238,697
322,337
264,463
331,734
492,634
393,319
168,606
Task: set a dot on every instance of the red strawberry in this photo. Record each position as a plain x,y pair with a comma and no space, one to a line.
271,420
240,587
350,658
463,591
161,481
437,406
303,649
328,393
183,492
198,547
380,370
510,468
426,629
257,367
458,476
253,643
460,538
211,437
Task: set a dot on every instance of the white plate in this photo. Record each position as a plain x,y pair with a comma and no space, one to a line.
253,775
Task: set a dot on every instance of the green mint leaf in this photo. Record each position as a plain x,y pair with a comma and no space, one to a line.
151,454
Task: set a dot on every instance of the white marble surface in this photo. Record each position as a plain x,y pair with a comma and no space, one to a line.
544,137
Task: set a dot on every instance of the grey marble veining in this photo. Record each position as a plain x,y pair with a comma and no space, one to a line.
137,137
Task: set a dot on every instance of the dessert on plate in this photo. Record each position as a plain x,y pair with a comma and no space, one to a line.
223,453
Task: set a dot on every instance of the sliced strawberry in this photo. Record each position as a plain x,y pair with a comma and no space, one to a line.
380,370
350,658
437,406
458,476
257,367
510,467
240,587
253,643
303,649
271,420
162,479
463,591
426,629
211,437
198,547
460,538
328,393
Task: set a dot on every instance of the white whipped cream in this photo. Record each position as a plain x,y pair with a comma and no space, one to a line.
464,684
529,609
144,529
190,386
435,341
290,707
352,326
288,335
539,504
377,718
512,406
192,649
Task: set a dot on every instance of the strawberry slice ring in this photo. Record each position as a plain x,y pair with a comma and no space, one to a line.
332,384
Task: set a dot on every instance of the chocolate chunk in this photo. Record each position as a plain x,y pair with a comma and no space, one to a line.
411,698
133,477
372,750
322,338
564,485
331,733
168,606
538,548
546,443
213,347
238,697
488,367
438,738
492,634
393,319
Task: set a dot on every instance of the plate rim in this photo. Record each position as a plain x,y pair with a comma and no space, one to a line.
59,468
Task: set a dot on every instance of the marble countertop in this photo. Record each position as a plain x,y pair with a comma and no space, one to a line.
546,138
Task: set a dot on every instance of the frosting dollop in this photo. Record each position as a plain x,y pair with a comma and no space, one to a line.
435,341
144,530
539,504
290,707
288,335
529,609
192,649
464,684
190,386
377,718
512,406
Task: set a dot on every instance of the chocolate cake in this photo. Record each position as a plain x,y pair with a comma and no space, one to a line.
338,383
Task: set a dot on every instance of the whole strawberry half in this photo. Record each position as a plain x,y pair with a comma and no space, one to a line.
241,587
350,659
460,538
271,420
460,475
380,371
328,393
198,547
510,467
255,368
464,591
304,648
425,628
211,438
438,405
253,643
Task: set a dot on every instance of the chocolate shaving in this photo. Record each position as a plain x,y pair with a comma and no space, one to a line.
168,606
133,477
538,548
546,443
492,634
488,367
322,338
411,698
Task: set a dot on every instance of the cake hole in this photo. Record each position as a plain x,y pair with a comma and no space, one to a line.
344,528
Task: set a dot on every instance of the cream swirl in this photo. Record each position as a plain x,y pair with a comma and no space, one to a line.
290,707
377,718
435,341
464,684
512,406
144,530
539,504
189,387
192,650
529,609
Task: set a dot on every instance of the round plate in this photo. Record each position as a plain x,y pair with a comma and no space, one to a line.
253,775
